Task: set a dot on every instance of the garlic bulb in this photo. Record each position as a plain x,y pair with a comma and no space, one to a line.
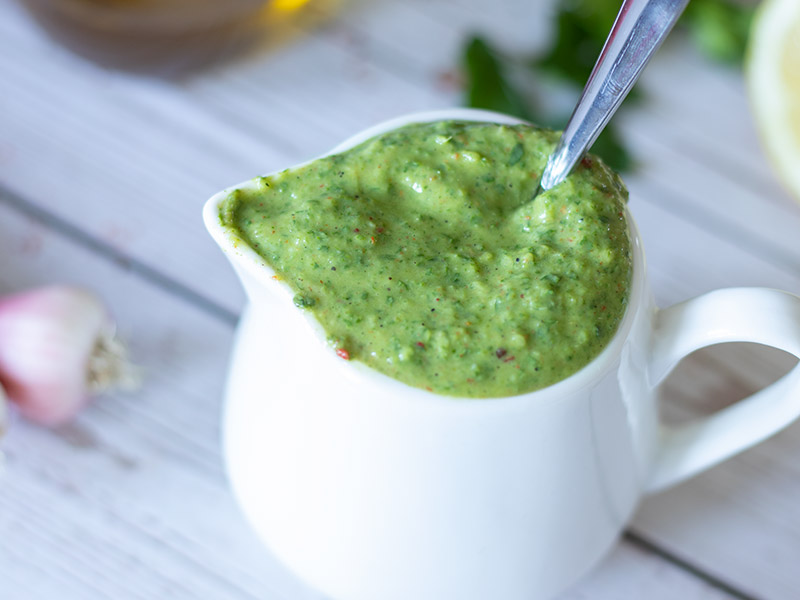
57,348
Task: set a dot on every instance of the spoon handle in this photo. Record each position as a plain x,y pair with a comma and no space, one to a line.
638,31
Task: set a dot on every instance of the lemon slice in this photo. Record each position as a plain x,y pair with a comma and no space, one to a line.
772,74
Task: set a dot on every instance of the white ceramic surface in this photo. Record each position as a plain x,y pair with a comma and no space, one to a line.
374,490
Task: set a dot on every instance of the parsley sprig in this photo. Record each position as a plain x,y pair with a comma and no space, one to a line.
718,28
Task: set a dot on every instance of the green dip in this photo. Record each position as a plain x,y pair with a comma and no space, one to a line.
424,255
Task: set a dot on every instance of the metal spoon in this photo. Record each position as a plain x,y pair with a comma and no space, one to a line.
638,31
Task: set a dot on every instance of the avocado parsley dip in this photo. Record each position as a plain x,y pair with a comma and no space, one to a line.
423,254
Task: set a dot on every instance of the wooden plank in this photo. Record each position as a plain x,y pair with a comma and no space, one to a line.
733,193
422,39
645,577
131,501
738,521
685,259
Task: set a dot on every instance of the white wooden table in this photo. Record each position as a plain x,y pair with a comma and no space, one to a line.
102,178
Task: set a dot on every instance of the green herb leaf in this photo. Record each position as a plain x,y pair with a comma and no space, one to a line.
719,28
487,86
516,155
581,29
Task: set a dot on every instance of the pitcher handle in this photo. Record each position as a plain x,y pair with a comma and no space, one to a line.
760,315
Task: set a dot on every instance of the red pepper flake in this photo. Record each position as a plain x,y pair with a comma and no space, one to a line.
342,353
356,230
522,295
500,352
379,230
509,359
372,239
602,308
420,344
586,162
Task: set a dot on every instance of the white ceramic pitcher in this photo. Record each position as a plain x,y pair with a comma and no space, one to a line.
374,490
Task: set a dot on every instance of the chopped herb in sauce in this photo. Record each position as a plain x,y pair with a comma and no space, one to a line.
422,253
